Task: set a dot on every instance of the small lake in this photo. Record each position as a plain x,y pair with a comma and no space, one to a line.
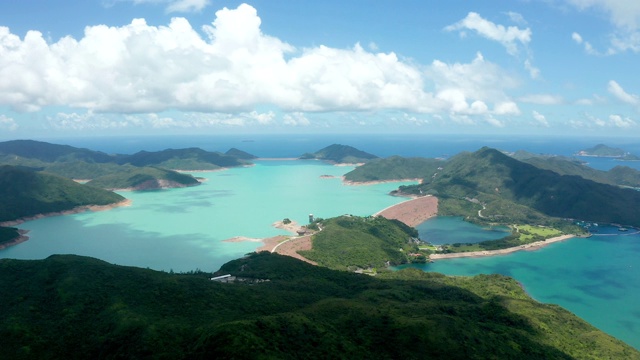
453,229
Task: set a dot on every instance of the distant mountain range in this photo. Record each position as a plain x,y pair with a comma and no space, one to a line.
32,153
142,170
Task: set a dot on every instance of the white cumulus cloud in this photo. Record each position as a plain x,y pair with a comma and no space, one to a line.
616,90
540,119
477,83
509,36
229,66
621,122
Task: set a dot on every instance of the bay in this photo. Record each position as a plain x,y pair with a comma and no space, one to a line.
184,229
597,278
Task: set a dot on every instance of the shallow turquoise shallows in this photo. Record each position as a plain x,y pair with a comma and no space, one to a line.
184,229
597,278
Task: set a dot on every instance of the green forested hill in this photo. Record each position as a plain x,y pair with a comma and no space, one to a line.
350,242
182,159
80,308
143,178
46,152
490,174
394,168
75,162
8,234
340,154
26,193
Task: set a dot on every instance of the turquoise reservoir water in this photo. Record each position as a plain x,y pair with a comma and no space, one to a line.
452,229
597,278
184,229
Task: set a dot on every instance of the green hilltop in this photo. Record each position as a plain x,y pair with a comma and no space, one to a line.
497,180
79,308
351,242
340,154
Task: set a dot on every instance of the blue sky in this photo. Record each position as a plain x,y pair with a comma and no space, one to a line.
144,67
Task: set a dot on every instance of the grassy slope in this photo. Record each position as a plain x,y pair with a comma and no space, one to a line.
75,307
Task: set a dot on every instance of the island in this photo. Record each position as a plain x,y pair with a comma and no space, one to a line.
602,150
339,154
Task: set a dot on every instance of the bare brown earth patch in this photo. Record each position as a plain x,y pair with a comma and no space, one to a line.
412,212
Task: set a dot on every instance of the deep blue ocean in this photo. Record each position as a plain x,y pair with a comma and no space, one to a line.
596,278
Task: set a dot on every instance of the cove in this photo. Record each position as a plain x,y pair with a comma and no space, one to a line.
453,229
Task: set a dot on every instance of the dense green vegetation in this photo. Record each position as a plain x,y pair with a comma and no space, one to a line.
7,234
352,242
497,181
80,308
182,159
141,178
394,168
341,154
26,193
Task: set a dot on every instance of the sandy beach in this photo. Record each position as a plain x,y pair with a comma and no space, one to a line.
283,244
412,212
529,247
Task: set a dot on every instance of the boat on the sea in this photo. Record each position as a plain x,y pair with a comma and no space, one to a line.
623,229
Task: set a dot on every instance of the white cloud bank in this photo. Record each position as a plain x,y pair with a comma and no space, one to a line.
231,66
